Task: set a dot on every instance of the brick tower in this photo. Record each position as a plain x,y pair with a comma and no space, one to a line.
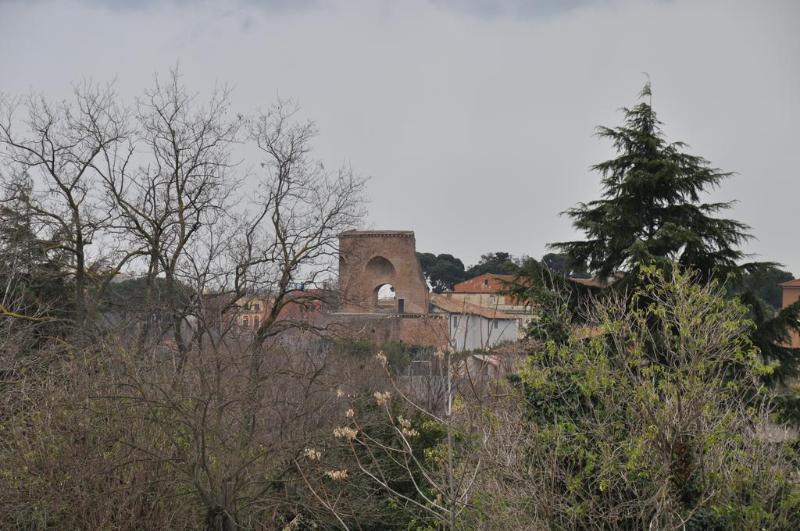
379,273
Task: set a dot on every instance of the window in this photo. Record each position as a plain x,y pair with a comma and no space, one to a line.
256,307
455,320
245,321
496,323
256,321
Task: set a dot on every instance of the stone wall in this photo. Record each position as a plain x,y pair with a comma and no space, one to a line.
426,330
371,259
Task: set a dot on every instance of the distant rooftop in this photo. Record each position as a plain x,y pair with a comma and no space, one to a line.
792,283
484,283
453,306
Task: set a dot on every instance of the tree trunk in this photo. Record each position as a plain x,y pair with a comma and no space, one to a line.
217,519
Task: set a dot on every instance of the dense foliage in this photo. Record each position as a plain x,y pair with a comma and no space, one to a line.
765,284
606,428
661,430
150,403
441,271
499,263
561,264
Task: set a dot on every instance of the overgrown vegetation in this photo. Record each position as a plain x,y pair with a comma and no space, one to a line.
139,402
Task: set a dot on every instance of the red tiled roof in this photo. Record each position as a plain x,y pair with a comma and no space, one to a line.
443,302
484,283
791,284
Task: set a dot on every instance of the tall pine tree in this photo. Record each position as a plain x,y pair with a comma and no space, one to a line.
652,212
651,209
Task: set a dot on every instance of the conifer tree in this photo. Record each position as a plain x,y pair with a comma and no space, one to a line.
35,302
651,209
652,212
32,269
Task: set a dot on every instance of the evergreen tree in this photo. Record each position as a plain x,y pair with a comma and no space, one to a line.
34,284
766,284
652,213
498,263
560,264
442,271
651,209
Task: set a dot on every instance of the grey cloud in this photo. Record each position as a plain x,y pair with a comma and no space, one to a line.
142,5
490,8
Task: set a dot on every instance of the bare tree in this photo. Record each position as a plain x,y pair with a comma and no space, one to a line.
180,189
58,147
160,194
241,409
290,243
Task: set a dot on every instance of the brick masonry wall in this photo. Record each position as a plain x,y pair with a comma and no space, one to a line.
426,330
791,295
370,259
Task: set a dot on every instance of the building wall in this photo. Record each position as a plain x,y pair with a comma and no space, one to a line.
501,303
493,301
459,332
370,259
251,312
791,294
470,332
425,330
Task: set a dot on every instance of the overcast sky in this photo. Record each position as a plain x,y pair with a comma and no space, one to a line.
474,119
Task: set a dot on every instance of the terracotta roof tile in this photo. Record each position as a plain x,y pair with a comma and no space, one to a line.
449,305
484,283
